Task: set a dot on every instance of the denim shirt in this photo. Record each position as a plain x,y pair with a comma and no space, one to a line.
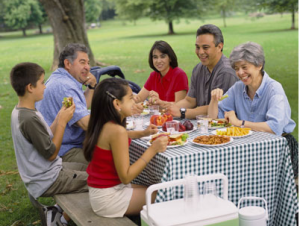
269,105
59,85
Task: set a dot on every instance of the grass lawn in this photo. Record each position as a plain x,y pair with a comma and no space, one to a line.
127,45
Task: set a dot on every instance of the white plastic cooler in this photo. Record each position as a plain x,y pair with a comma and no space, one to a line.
175,212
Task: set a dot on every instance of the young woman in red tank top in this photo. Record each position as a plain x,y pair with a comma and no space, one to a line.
106,147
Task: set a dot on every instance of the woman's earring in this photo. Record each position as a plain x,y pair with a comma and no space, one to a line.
119,109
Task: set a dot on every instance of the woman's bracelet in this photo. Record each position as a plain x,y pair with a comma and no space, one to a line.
144,160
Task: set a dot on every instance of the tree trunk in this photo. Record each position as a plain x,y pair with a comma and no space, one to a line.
40,29
293,17
171,30
224,15
24,32
67,19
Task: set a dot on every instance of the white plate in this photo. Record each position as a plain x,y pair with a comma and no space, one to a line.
171,146
147,137
187,131
145,112
217,127
148,123
215,132
211,145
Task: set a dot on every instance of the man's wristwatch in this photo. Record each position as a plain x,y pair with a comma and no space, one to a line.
243,124
182,112
91,87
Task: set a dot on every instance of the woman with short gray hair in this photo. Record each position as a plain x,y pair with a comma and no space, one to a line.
256,101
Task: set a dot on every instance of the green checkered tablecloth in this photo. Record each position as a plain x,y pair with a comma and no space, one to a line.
257,165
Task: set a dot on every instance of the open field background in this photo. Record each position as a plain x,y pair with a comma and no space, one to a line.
128,45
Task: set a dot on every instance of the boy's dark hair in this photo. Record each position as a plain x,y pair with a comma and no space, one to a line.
23,74
70,52
213,30
103,111
165,48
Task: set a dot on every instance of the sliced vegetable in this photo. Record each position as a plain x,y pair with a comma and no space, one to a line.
184,137
223,97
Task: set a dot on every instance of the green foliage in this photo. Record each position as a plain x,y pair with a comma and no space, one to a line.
92,10
20,13
173,9
131,9
279,6
17,13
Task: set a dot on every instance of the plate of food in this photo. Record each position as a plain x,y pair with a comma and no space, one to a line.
175,140
186,131
186,127
235,132
145,112
157,123
218,123
212,140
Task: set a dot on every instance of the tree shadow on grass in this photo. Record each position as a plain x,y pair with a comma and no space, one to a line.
157,35
270,31
20,36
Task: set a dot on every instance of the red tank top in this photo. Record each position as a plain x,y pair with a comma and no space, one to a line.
101,170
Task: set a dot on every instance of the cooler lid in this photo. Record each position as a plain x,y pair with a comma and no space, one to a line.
174,213
252,213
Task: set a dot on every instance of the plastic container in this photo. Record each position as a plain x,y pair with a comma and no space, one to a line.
253,215
174,212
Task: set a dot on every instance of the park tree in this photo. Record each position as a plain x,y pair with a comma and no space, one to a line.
92,10
281,6
224,7
67,19
19,14
2,13
172,10
169,11
108,10
131,10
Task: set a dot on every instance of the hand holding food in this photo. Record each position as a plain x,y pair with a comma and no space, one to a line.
159,142
216,94
223,97
66,113
137,109
230,117
174,139
67,101
151,129
153,97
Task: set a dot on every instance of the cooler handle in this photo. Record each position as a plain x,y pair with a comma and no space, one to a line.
255,198
173,183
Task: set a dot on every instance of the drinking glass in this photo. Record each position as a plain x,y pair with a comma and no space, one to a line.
210,194
191,194
154,109
172,127
138,121
202,123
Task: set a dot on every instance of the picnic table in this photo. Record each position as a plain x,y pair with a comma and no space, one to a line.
256,165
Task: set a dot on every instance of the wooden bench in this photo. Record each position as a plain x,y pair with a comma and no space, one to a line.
77,206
